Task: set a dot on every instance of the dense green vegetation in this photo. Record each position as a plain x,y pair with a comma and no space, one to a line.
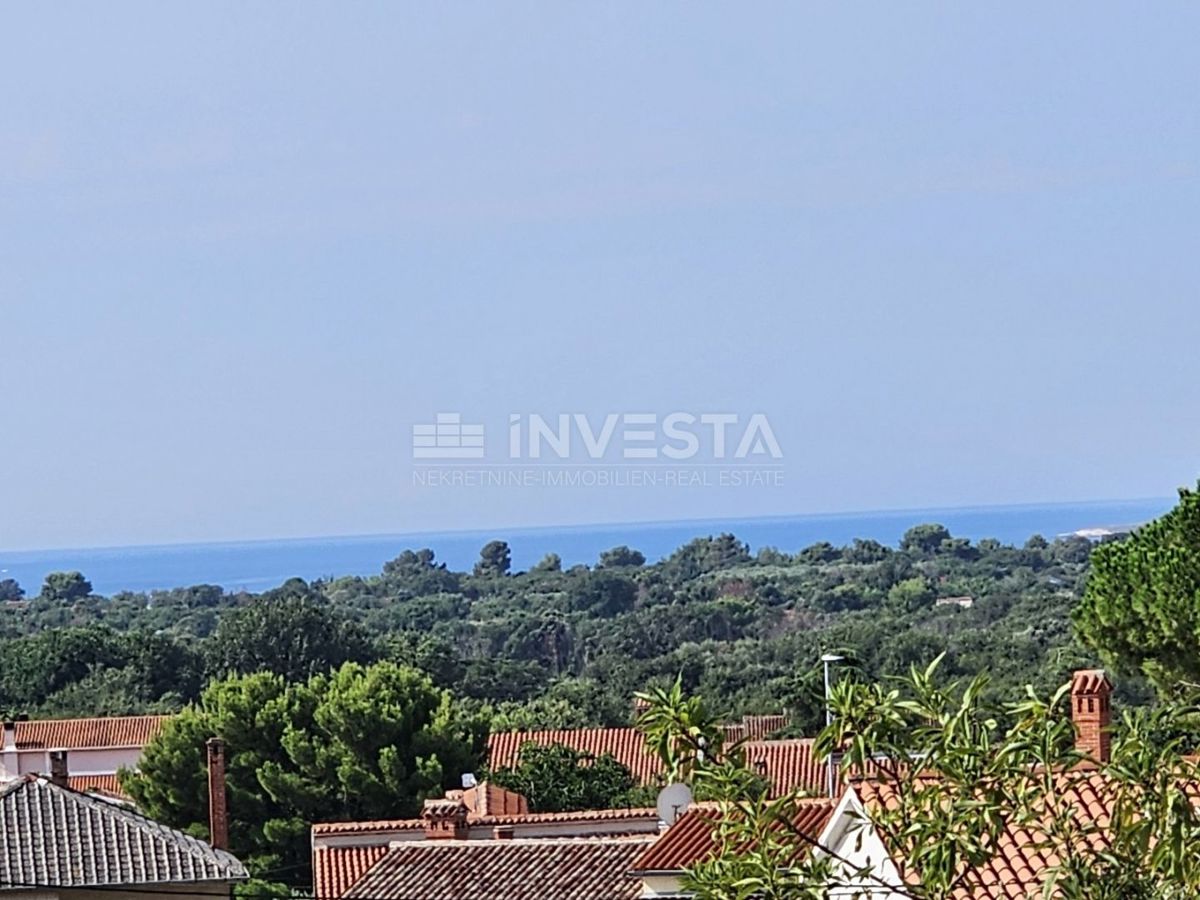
1141,608
559,779
989,767
357,743
562,648
359,697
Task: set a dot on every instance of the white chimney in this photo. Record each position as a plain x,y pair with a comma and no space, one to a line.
9,758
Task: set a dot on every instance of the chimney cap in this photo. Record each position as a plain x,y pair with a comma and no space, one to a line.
445,818
443,807
1090,681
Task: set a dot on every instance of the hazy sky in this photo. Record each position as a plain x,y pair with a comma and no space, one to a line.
951,252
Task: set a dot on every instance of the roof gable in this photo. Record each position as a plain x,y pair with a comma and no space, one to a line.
1018,868
691,839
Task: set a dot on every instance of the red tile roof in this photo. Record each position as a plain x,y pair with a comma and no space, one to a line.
685,843
789,764
336,868
627,746
565,869
369,827
690,840
584,815
1023,858
83,734
755,728
101,784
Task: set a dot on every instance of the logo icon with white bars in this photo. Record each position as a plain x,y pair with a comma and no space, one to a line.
449,438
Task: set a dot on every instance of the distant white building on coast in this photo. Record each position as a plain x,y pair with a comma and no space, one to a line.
1102,532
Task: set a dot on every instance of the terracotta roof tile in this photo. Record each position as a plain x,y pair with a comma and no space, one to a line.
1020,864
369,827
685,843
83,734
627,746
101,784
336,868
582,815
789,764
690,840
758,727
565,869
585,815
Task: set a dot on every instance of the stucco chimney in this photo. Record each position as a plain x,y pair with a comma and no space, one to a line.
9,759
1091,711
218,813
58,768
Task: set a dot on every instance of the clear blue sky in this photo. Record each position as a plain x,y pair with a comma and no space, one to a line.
951,251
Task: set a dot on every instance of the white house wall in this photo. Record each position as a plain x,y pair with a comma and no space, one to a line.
856,846
106,761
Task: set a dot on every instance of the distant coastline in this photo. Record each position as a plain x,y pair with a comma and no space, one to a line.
256,565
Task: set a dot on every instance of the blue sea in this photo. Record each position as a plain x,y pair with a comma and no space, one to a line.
258,565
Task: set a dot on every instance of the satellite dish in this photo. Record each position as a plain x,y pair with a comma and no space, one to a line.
673,801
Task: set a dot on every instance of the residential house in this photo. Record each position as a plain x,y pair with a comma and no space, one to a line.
691,840
97,748
518,869
483,844
61,844
788,764
866,866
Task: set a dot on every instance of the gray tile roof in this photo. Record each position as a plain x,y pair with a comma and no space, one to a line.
55,837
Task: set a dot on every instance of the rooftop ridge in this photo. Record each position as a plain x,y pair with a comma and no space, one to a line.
579,815
532,841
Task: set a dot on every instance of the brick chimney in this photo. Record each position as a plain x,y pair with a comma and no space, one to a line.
218,812
58,768
445,819
1091,711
